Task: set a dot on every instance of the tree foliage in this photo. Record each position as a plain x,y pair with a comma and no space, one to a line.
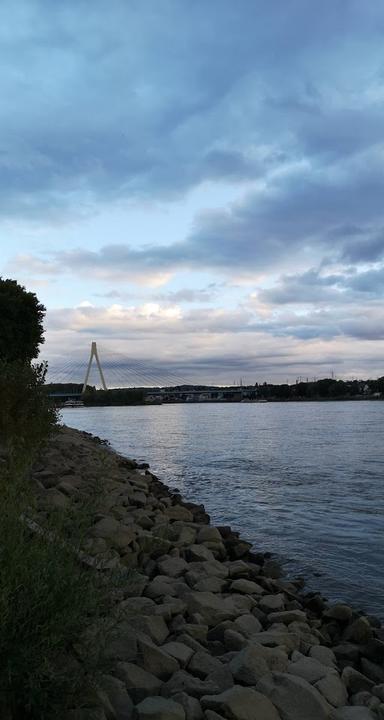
21,322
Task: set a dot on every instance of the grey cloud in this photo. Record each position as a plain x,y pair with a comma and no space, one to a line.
89,111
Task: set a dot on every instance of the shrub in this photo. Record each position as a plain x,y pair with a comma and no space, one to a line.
21,322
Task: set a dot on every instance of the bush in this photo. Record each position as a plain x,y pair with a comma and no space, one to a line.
27,416
21,322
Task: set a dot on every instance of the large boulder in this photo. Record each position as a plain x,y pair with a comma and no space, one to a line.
294,697
159,708
139,682
156,661
212,608
249,665
240,703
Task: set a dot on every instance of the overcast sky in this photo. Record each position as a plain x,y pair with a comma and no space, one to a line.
198,185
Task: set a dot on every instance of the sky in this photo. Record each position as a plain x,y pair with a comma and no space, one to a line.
198,186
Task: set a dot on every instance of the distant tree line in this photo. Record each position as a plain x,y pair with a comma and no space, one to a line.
324,389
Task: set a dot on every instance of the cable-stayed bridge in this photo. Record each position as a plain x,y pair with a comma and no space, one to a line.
108,370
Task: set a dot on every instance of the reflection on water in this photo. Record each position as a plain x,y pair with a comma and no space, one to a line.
303,480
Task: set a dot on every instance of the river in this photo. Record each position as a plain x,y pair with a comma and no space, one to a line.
304,481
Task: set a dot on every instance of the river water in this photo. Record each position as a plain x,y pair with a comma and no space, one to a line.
304,481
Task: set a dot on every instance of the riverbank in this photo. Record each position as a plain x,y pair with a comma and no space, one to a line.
205,627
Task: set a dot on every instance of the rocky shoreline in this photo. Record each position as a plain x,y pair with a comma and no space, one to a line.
208,629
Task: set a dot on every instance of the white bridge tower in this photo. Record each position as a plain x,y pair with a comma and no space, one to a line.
94,354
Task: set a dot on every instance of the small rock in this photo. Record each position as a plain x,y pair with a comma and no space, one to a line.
272,603
294,697
287,616
248,625
159,708
202,664
155,661
247,587
138,682
241,703
249,665
333,690
352,713
340,612
182,653
324,655
355,680
191,705
172,566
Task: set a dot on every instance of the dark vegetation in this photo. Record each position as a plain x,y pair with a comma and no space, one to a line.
46,597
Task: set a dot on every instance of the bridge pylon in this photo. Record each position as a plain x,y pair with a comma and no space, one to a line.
94,354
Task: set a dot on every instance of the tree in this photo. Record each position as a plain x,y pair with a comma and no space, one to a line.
21,322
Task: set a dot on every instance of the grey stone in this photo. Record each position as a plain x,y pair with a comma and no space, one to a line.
240,703
287,616
156,661
199,553
352,713
208,534
210,584
191,705
333,690
339,611
309,669
178,512
234,640
248,625
324,655
374,671
118,697
121,643
152,625
355,680
365,698
249,665
294,697
159,708
359,631
378,690
213,608
247,587
139,682
181,652
272,603
172,566
202,664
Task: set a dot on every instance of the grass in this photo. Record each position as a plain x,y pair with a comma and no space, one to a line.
47,596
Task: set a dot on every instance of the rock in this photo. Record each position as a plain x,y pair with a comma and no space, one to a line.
287,616
333,690
238,568
182,681
340,612
208,534
197,632
352,713
272,569
238,548
121,643
156,661
152,625
359,631
233,640
164,585
355,681
212,584
373,650
105,528
247,587
294,697
272,603
118,697
172,566
249,665
365,698
182,653
199,553
202,664
374,671
213,608
140,683
346,653
309,669
275,638
239,703
159,708
191,705
212,715
248,625
378,690
324,655
178,512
